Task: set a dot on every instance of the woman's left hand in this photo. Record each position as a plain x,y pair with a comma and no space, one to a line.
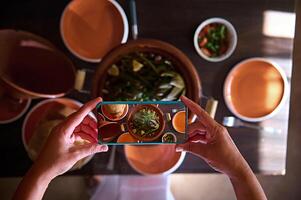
60,153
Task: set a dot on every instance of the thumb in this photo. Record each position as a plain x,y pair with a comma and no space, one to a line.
183,147
198,149
90,149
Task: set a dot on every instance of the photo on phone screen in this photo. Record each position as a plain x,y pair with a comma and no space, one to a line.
142,122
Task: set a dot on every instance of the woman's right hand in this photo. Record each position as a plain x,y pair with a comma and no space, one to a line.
212,142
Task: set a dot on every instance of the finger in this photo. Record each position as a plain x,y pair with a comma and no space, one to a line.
76,118
86,136
90,149
198,149
199,138
196,109
196,126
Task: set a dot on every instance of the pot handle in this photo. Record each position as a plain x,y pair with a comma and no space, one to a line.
210,105
124,127
80,77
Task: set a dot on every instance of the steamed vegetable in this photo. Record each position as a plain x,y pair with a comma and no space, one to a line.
168,138
145,122
143,76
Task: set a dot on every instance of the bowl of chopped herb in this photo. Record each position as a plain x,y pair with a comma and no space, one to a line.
215,39
169,138
146,122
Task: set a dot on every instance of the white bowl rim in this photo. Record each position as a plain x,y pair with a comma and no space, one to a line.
231,48
39,105
19,115
169,171
279,106
123,40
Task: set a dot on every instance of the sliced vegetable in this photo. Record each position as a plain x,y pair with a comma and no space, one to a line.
213,39
136,65
114,70
143,76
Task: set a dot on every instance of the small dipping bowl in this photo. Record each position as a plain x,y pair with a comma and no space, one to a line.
232,39
169,133
179,121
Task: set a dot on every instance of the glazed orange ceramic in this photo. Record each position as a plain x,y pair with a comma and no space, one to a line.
90,28
108,130
48,109
112,117
179,121
126,138
156,159
34,67
157,133
182,65
39,113
12,109
255,88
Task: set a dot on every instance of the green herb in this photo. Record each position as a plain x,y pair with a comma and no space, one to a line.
143,76
168,138
145,122
213,39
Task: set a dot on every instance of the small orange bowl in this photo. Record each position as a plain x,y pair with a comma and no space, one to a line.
126,138
179,121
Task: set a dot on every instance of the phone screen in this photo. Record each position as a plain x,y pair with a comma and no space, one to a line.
145,122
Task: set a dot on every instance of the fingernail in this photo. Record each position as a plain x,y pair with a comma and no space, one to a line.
199,132
179,149
104,148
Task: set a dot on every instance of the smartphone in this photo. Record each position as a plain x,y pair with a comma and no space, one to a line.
142,122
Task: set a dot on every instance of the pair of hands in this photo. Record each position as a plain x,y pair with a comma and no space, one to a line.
207,139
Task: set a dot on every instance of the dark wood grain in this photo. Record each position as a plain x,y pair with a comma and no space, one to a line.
173,21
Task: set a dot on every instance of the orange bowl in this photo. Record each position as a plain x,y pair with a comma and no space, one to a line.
155,159
255,89
157,134
90,28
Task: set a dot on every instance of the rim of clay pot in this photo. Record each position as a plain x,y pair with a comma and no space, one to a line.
182,65
25,38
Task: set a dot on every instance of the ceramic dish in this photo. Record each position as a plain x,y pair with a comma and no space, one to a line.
178,121
154,160
126,138
11,110
91,28
161,122
232,37
112,118
39,112
54,73
255,89
169,134
182,65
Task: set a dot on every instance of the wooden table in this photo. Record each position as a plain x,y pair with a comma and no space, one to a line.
173,21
